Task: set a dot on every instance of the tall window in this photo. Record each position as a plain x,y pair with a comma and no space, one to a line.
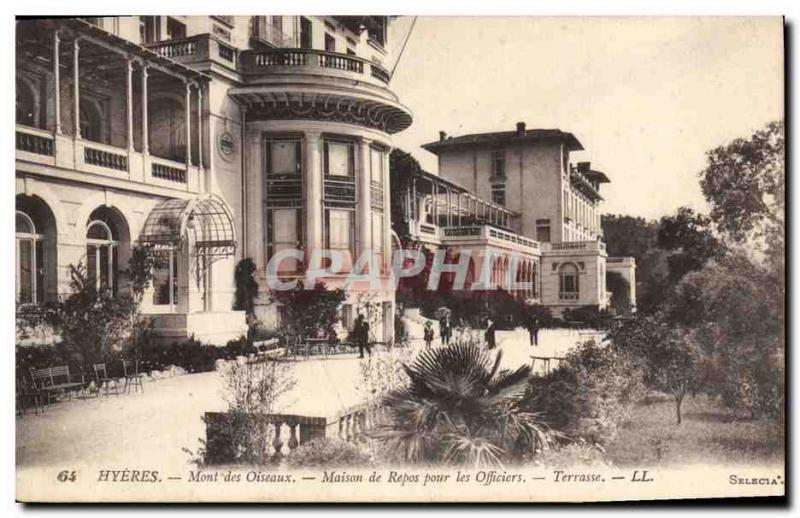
165,280
568,282
101,256
91,122
283,157
377,237
285,232
149,29
498,164
339,158
376,166
26,105
306,41
543,230
176,30
499,193
30,261
339,232
330,43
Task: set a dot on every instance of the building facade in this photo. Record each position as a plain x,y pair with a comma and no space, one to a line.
515,196
206,139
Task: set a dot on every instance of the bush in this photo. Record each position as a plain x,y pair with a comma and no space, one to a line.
459,407
334,453
590,395
591,316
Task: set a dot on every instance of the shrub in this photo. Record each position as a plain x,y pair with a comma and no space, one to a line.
459,407
590,395
327,452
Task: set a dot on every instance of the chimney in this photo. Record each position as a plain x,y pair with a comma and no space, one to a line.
442,136
584,166
520,129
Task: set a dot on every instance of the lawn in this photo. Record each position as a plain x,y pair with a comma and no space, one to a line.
709,434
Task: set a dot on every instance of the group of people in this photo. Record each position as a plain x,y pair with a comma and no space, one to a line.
446,331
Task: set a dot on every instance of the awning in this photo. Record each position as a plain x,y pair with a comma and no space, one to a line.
207,218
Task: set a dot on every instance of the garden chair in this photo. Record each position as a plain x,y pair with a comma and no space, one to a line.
103,381
28,395
130,369
57,380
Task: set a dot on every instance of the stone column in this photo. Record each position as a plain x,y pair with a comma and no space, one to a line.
387,220
312,184
129,98
200,125
364,210
57,80
77,96
188,109
145,131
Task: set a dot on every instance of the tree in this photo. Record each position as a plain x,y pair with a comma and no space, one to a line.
94,325
307,312
744,182
734,308
628,235
689,236
666,354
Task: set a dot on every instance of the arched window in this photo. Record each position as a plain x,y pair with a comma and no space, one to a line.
26,105
91,122
568,282
101,255
167,129
30,261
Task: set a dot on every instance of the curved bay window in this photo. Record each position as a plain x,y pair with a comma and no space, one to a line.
102,256
30,261
568,282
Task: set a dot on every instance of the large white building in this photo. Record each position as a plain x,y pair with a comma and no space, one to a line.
515,198
210,139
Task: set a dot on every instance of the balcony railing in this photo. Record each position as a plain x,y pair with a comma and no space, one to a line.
42,147
202,47
257,61
105,156
491,235
35,141
578,246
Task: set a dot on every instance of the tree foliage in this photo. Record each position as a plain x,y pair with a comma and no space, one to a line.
308,312
688,235
246,286
744,181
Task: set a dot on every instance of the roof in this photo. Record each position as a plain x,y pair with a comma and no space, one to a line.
597,176
502,137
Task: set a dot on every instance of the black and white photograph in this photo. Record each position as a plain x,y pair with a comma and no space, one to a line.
399,258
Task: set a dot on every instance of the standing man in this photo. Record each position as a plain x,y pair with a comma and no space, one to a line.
361,332
428,334
533,330
445,329
491,342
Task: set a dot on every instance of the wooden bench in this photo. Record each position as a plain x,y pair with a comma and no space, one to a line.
57,380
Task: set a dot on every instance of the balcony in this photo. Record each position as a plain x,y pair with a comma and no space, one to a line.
489,235
291,83
290,60
40,147
202,48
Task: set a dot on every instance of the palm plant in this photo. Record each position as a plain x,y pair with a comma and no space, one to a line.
459,407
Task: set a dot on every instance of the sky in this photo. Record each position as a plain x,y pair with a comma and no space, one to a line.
647,97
